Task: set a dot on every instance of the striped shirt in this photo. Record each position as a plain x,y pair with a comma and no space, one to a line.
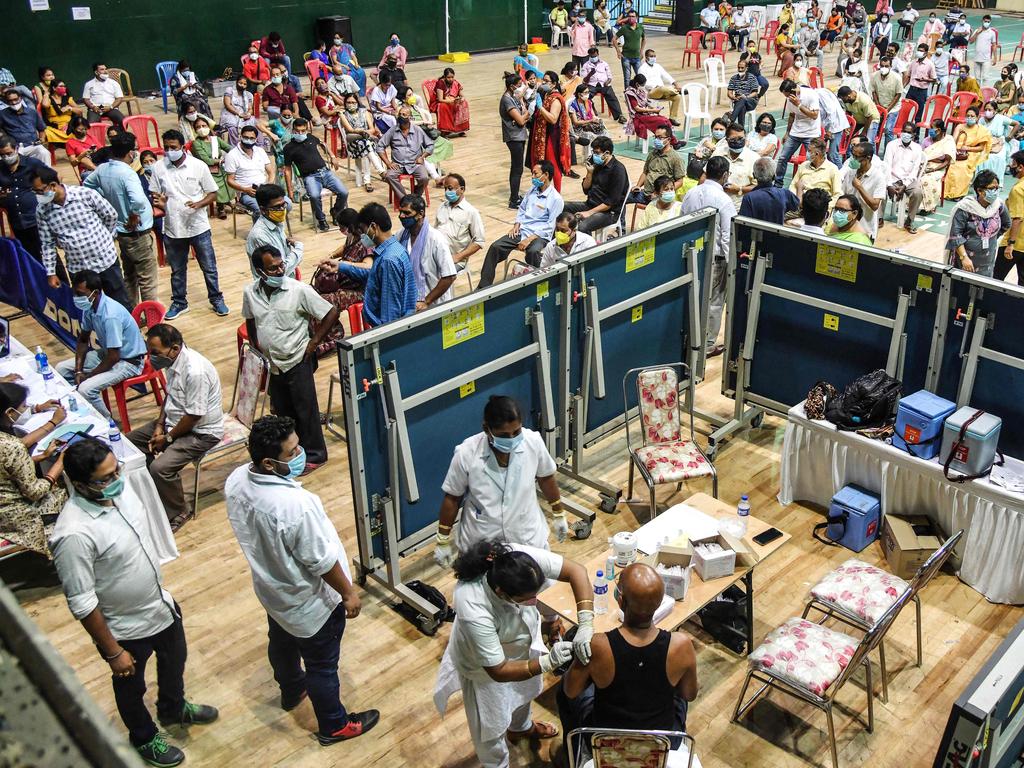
83,227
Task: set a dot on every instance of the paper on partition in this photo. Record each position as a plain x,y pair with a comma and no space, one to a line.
81,13
680,520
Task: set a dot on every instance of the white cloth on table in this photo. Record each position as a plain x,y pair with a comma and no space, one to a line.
818,460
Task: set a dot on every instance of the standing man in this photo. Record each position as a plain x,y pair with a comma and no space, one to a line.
867,181
16,197
248,167
304,152
300,575
863,110
887,92
535,225
904,164
804,123
661,85
833,121
22,122
921,75
110,574
743,91
269,229
410,147
390,291
459,222
710,194
741,162
597,76
432,264
277,311
941,61
122,188
605,185
81,223
984,39
191,419
629,41
1011,251
581,35
183,186
102,96
121,349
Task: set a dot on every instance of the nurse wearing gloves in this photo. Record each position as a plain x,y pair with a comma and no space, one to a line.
492,476
495,654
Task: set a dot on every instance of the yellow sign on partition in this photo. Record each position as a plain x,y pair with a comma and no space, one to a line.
462,326
839,263
638,313
924,283
467,389
542,290
831,322
639,254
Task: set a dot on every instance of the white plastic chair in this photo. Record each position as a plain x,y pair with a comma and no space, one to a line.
714,72
695,98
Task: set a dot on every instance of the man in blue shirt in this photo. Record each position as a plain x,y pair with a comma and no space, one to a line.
17,197
767,202
122,188
22,122
535,224
391,285
122,349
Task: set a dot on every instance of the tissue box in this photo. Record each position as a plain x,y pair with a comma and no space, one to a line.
977,452
908,542
669,556
919,420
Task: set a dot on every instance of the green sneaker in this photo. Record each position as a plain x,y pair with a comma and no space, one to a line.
159,753
192,714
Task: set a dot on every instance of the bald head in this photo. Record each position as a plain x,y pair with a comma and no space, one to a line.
640,593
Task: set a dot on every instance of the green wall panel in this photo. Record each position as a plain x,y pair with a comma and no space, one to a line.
213,34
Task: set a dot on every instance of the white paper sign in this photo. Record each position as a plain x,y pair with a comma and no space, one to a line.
39,5
81,13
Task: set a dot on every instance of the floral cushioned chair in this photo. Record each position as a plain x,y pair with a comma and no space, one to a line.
665,455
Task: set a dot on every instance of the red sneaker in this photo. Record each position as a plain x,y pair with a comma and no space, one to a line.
358,724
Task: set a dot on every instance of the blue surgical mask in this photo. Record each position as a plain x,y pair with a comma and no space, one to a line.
841,218
274,281
972,120
300,136
174,155
451,195
594,59
45,198
537,183
407,222
83,302
507,444
367,241
597,159
932,133
718,133
854,164
113,489
658,144
295,464
668,196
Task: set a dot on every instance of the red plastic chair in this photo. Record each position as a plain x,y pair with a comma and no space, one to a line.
98,132
815,78
147,314
412,188
771,31
429,90
693,48
140,125
883,115
847,138
999,48
355,318
906,114
988,93
1019,50
718,43
799,157
936,107
961,101
314,69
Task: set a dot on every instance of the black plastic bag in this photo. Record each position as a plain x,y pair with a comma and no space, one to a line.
867,402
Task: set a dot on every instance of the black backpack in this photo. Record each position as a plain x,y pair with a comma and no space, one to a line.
868,402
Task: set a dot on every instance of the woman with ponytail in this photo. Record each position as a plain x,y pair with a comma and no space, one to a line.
495,655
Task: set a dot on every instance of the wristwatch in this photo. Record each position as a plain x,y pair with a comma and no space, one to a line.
170,437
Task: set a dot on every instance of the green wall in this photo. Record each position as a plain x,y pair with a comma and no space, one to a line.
213,34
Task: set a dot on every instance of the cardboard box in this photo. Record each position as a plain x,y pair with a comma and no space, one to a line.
734,553
905,548
669,556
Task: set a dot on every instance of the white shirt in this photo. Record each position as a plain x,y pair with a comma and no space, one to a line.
340,85
831,112
460,224
656,75
106,559
812,229
282,319
435,263
102,93
910,14
741,167
188,182
904,163
249,171
193,388
757,142
290,544
941,61
899,65
553,252
709,17
739,19
499,502
874,182
710,194
806,127
983,45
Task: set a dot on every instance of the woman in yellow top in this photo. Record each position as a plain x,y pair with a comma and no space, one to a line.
973,143
787,15
58,109
663,206
784,48
41,90
846,216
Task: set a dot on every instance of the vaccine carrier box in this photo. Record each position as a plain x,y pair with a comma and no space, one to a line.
854,517
976,453
919,420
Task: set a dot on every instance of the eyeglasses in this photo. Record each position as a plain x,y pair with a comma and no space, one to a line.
105,481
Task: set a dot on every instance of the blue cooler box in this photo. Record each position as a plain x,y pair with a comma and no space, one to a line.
977,453
862,511
919,420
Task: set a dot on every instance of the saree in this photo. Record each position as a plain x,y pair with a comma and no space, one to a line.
961,172
551,142
451,118
931,181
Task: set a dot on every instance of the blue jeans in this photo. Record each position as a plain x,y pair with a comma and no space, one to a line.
628,64
789,148
315,184
320,654
177,256
92,388
890,124
249,203
872,132
833,149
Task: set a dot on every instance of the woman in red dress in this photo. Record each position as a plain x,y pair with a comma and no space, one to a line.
549,134
451,107
645,115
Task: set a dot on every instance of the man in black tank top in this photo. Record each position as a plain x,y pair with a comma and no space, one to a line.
640,677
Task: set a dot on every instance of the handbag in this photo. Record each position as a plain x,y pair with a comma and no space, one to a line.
817,398
869,401
325,282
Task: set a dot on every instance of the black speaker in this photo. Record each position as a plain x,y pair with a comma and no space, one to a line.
327,27
682,21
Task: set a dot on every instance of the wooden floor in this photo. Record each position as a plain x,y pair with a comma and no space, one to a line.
388,664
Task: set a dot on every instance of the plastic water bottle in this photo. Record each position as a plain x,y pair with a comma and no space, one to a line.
600,594
743,512
114,438
49,379
40,359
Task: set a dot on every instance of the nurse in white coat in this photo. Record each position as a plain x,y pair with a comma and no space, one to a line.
495,654
493,476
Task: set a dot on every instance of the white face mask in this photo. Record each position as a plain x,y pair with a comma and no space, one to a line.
24,416
883,70
104,76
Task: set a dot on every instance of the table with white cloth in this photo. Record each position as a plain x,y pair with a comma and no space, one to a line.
22,362
818,460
